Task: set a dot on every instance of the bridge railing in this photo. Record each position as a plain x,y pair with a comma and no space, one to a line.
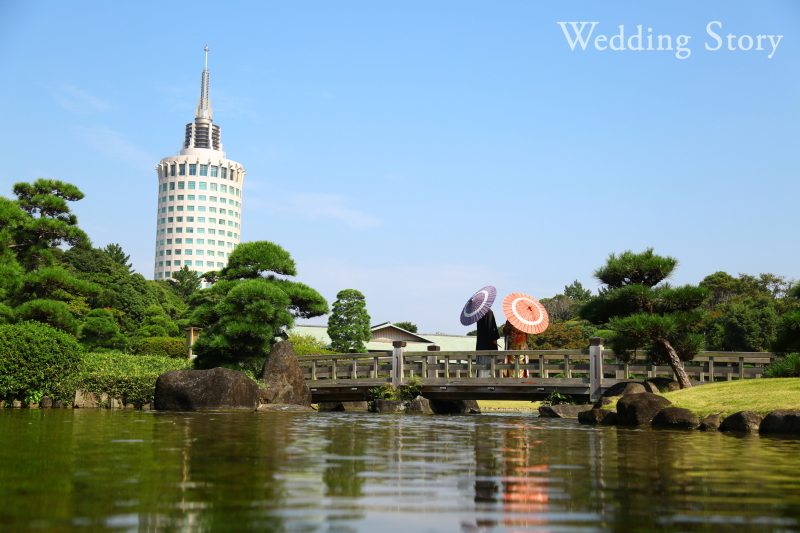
392,366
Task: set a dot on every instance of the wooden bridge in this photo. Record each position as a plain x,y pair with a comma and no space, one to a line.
583,374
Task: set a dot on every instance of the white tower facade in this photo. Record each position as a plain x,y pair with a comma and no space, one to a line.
199,215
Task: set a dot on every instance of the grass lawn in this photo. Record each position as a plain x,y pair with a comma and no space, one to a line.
762,395
503,405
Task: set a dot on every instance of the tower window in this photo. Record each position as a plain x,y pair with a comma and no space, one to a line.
202,197
214,188
172,170
163,209
201,230
200,241
188,251
230,234
170,219
178,230
198,252
223,188
193,169
180,198
172,185
191,184
182,169
224,173
181,185
190,208
169,241
189,219
204,170
212,220
164,188
214,171
171,197
180,208
212,209
190,197
198,263
179,219
189,241
201,219
203,185
210,230
210,263
171,208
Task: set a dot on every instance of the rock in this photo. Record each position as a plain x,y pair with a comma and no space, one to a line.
104,399
675,417
33,406
113,403
610,419
282,377
650,387
563,411
343,406
2,404
781,421
623,388
455,407
130,406
147,407
283,407
710,423
602,401
596,416
84,400
741,421
666,384
218,388
419,405
16,404
639,409
388,406
46,402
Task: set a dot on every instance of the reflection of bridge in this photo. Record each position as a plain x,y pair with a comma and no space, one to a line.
450,375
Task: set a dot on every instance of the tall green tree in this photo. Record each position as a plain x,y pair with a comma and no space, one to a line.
250,305
408,326
660,319
348,325
577,293
750,325
185,282
116,254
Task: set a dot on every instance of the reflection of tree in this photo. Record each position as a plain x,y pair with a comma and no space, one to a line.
341,476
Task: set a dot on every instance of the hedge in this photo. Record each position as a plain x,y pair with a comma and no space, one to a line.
163,346
37,360
130,378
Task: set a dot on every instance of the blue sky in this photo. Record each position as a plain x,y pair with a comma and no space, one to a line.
417,151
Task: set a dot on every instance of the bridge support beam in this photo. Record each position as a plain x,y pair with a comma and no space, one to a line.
595,367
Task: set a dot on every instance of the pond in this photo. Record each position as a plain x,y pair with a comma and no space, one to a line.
140,471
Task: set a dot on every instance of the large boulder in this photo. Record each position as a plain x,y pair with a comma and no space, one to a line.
602,401
664,384
639,409
419,405
742,421
455,407
781,421
598,416
563,411
282,377
676,418
388,406
342,406
218,388
623,388
710,422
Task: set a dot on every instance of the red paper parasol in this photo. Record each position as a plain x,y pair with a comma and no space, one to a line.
478,305
525,313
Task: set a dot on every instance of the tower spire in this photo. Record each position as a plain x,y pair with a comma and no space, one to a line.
204,103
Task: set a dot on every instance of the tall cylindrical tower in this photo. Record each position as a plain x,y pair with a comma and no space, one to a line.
199,215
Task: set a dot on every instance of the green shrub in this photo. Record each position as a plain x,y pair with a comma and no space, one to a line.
164,346
384,392
130,378
788,367
410,389
308,345
37,360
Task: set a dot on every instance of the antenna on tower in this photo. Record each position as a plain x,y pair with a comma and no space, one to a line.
206,51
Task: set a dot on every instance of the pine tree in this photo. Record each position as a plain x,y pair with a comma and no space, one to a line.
660,319
348,325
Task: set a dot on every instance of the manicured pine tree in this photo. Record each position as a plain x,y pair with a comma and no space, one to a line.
647,315
348,325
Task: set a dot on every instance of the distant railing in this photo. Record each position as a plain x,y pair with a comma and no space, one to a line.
542,364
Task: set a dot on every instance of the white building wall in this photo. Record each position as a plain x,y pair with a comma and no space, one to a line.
199,214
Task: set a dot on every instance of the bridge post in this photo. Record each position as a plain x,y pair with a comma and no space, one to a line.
431,360
398,350
595,367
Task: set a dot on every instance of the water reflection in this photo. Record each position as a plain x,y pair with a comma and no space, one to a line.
63,470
